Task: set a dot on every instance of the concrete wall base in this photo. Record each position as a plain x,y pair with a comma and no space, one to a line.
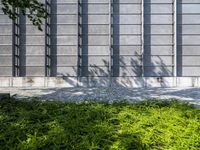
129,82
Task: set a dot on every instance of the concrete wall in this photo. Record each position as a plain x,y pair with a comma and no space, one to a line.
93,40
158,37
188,37
64,38
6,61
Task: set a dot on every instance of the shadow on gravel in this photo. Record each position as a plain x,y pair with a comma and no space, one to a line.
191,95
109,94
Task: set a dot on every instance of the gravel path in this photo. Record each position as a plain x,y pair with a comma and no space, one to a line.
191,95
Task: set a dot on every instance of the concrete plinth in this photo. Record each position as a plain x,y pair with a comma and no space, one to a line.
68,82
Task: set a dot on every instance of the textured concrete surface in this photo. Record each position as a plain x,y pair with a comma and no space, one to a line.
126,82
87,50
191,95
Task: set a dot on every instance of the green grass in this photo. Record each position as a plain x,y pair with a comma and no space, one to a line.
86,126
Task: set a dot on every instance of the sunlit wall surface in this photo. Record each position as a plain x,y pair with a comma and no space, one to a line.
104,38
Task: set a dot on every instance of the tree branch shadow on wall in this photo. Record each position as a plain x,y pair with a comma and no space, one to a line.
100,75
153,67
122,76
131,92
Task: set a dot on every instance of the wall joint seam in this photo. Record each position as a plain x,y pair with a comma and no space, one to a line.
79,32
111,73
175,38
142,38
15,45
47,40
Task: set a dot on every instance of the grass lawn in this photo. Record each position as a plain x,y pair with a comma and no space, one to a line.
86,126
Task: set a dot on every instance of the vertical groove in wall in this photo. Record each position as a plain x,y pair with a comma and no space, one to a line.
47,40
22,46
175,38
16,50
111,38
13,48
84,38
79,28
142,37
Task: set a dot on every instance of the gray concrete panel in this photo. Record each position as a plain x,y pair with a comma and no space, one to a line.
5,71
158,38
6,35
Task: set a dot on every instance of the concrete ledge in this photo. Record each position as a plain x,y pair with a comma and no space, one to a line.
129,82
61,82
6,81
160,82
